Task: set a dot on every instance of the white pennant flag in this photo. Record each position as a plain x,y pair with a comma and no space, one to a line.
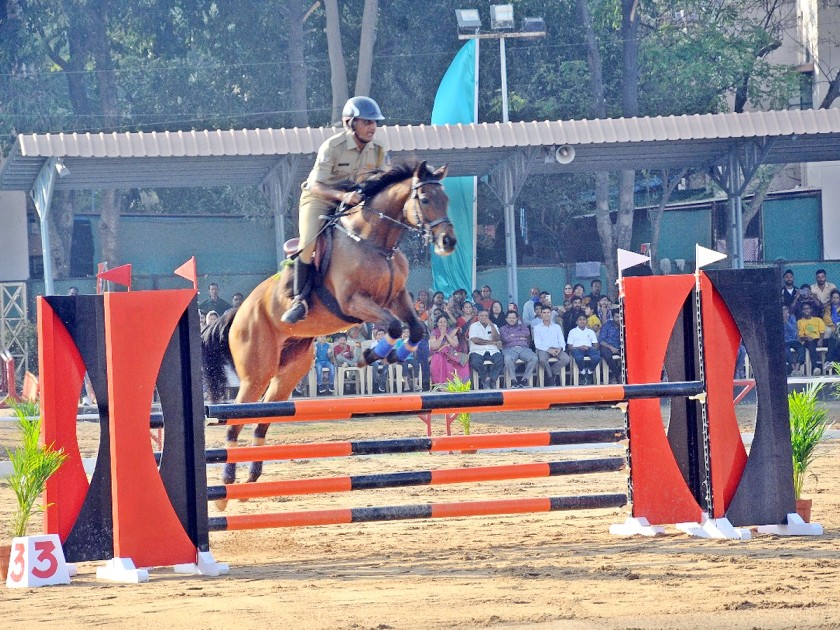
628,259
705,256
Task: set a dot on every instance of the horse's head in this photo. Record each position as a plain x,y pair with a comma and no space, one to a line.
426,208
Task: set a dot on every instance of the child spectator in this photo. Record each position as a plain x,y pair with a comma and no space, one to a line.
324,361
810,329
791,341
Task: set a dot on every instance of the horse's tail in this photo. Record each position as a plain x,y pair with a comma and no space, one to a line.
215,352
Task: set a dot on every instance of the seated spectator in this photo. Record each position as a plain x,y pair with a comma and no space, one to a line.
571,315
420,310
577,291
583,344
476,299
486,345
410,365
446,360
550,344
595,294
345,354
805,297
456,303
791,341
538,309
790,294
810,329
324,361
822,288
469,317
378,369
545,300
831,317
486,300
497,314
592,320
604,310
211,317
423,296
528,306
516,344
609,344
568,292
438,300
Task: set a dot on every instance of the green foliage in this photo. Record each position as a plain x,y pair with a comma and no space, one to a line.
808,424
455,384
32,466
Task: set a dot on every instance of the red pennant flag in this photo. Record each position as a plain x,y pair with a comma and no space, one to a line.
120,275
188,271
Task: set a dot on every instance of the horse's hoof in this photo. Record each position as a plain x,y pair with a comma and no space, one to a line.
221,504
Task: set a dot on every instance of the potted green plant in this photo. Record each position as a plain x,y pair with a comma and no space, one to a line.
808,424
32,465
454,385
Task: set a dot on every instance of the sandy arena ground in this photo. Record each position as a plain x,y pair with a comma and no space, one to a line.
555,570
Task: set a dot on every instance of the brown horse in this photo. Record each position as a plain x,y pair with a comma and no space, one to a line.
365,282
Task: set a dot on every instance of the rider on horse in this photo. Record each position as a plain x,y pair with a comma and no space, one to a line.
343,156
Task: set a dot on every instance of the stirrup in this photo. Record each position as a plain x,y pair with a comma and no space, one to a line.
298,311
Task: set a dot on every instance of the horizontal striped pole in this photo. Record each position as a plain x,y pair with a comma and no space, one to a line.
403,512
411,445
414,478
344,408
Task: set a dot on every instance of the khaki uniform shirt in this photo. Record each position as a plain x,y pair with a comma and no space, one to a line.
339,158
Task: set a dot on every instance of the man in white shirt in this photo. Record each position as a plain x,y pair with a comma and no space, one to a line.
486,345
822,289
582,343
548,340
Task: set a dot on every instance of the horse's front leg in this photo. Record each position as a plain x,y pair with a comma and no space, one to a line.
402,308
364,308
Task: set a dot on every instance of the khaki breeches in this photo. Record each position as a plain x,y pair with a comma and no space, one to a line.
308,222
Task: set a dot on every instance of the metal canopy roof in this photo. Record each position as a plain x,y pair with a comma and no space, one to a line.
246,157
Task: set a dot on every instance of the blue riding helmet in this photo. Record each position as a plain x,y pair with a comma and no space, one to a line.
362,107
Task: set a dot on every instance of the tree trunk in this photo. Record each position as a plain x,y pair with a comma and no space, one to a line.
367,38
598,108
832,93
107,89
62,213
338,71
300,117
655,215
630,108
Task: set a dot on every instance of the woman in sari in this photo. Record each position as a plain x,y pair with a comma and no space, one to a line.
446,356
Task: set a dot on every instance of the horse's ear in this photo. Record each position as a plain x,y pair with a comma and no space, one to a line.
440,173
421,170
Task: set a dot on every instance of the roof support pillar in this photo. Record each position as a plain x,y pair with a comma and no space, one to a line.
733,173
42,194
506,181
277,187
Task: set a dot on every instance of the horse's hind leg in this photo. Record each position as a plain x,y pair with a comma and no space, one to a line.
295,360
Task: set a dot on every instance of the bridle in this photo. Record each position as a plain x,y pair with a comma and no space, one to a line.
424,226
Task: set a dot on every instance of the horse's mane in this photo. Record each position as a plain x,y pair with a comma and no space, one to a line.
377,181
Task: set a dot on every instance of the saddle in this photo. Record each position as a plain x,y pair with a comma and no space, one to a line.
321,263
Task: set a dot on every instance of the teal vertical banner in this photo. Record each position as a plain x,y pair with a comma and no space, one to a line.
455,103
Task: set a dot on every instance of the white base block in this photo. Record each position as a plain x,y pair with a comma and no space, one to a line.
795,527
636,527
122,570
37,561
71,569
205,564
715,528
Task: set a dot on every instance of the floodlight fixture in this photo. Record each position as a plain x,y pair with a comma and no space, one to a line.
468,19
501,17
61,169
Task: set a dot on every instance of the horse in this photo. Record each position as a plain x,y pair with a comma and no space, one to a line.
364,281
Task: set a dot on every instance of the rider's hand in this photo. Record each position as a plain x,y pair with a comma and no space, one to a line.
352,198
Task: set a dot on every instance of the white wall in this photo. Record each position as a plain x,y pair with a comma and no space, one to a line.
826,175
14,243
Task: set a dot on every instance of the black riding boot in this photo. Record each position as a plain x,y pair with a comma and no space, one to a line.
300,307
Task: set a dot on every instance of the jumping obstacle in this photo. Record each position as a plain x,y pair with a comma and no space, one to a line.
133,510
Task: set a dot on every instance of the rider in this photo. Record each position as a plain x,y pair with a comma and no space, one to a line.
343,156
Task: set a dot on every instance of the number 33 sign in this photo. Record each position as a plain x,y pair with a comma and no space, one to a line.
37,561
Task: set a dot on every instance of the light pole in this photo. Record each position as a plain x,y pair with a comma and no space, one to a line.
501,25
